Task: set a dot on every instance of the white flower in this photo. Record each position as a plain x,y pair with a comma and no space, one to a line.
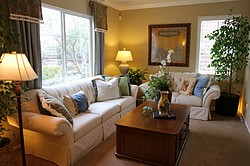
169,55
163,62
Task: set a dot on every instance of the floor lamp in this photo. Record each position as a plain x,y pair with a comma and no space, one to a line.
16,67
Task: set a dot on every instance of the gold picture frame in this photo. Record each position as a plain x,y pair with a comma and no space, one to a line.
165,37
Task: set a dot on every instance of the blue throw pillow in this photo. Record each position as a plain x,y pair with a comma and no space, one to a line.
200,85
81,101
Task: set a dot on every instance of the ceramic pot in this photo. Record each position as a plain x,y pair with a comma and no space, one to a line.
164,102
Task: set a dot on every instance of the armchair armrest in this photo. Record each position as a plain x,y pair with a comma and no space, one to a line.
45,124
212,94
134,90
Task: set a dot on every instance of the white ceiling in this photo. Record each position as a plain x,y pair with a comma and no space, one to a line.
142,4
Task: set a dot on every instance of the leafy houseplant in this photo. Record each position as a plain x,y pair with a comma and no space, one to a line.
230,54
7,105
8,41
137,75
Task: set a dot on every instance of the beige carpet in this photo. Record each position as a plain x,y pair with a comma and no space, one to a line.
223,141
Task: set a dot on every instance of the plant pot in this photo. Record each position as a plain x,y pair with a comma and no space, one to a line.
227,104
6,154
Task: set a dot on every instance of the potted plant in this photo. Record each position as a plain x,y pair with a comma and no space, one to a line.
8,40
158,84
137,75
229,56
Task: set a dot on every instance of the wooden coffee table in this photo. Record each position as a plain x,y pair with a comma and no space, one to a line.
154,141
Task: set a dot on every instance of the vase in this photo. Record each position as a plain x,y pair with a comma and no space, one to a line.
164,102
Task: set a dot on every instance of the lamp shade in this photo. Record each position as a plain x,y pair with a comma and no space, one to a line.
124,56
16,67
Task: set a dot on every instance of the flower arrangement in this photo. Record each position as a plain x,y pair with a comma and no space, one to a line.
159,82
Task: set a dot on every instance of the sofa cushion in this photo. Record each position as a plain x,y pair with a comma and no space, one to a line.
76,103
54,106
105,109
177,77
187,85
70,104
106,90
124,84
189,100
84,123
124,102
41,109
200,86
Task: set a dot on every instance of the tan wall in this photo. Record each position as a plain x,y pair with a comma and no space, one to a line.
80,6
134,27
112,43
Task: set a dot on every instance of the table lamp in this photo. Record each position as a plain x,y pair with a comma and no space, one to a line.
16,67
124,56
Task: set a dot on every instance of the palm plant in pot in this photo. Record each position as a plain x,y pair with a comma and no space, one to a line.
229,56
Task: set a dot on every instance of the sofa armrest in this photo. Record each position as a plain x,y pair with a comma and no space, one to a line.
134,90
45,124
143,87
213,93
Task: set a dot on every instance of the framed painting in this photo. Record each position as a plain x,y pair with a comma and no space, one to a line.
169,38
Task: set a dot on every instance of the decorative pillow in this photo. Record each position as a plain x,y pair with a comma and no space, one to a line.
70,104
124,84
41,109
200,86
54,106
76,103
106,90
187,85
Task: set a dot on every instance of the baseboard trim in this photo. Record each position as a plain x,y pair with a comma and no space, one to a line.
248,128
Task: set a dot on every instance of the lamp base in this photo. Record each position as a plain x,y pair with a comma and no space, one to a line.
124,68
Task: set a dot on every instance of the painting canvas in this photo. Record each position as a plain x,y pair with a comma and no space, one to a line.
166,37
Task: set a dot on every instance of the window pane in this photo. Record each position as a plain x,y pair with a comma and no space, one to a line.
207,27
51,46
77,44
66,46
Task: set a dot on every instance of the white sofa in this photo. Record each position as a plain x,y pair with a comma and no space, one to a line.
200,107
55,139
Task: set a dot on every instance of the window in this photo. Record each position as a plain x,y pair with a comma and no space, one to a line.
206,25
66,45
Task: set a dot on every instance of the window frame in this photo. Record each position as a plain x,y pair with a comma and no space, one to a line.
63,12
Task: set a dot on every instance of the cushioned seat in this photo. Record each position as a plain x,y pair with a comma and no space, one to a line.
105,109
189,100
84,123
124,102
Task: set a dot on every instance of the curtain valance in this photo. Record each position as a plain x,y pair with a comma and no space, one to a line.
99,13
26,10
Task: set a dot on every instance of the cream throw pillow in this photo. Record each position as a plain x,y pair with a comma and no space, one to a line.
70,104
107,90
187,85
54,106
